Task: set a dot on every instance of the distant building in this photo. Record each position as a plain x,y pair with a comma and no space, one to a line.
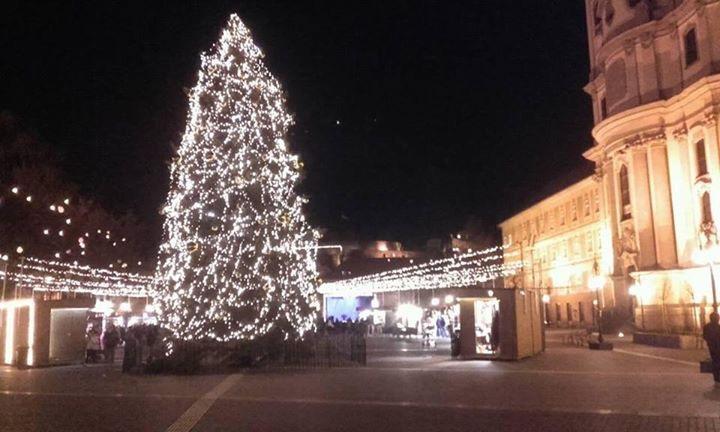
353,259
560,241
655,89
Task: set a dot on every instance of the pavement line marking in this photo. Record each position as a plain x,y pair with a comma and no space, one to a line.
460,406
480,370
192,416
95,395
622,351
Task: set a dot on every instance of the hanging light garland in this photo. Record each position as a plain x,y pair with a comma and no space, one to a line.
58,276
456,272
64,220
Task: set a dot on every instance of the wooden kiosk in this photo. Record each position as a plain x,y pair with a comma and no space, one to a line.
500,324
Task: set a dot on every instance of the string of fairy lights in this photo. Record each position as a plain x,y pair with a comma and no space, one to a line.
56,276
456,272
64,226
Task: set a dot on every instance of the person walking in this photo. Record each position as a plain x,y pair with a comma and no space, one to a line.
92,345
130,352
711,334
110,341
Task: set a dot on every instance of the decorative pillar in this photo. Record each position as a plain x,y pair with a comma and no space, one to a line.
661,198
642,214
608,215
682,197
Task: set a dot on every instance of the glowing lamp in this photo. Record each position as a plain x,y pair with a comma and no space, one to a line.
435,301
19,249
596,283
103,306
365,314
449,298
546,298
375,303
707,256
491,293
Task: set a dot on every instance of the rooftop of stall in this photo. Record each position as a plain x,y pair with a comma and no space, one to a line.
520,323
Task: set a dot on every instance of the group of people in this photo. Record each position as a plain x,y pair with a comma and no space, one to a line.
138,342
101,344
338,326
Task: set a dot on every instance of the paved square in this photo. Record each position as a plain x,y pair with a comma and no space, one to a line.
403,388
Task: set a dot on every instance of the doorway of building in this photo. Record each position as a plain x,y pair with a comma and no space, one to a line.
487,326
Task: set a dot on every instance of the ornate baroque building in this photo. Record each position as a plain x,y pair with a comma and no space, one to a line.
655,89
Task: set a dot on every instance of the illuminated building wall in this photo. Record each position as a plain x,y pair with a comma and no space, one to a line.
655,89
559,241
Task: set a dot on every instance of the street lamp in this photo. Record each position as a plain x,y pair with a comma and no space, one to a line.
374,303
707,256
597,283
546,301
638,291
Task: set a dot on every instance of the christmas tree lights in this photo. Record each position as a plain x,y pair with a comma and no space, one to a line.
237,257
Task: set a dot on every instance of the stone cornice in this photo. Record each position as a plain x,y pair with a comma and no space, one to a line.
646,138
711,118
642,123
681,133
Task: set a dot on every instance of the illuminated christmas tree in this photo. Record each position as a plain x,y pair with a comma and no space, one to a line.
237,259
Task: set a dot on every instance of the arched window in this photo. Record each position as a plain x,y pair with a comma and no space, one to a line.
706,208
625,193
691,47
701,158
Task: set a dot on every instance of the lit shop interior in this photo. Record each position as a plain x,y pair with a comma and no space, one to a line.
461,298
416,314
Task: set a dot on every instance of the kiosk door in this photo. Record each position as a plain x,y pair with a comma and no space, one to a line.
487,326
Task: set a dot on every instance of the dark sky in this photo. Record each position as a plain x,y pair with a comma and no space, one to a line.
447,108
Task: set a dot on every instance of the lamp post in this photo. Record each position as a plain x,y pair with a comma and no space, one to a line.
5,270
637,291
597,283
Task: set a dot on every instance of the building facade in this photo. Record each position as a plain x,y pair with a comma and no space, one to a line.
655,89
560,241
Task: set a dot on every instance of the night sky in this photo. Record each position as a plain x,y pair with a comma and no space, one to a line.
411,115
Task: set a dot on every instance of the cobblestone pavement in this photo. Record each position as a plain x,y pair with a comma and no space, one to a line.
404,388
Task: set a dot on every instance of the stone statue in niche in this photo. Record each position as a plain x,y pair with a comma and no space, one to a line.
627,250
